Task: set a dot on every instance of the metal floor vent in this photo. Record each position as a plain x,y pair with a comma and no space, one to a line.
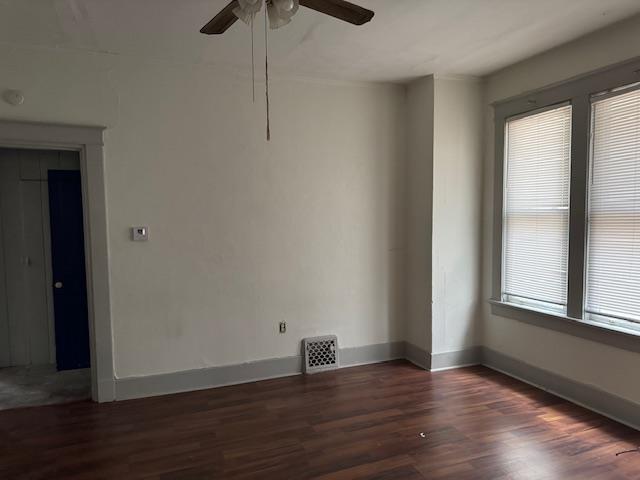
320,353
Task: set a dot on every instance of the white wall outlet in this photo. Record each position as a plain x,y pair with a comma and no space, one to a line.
139,234
283,327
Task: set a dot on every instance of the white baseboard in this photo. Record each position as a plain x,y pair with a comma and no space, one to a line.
203,378
588,396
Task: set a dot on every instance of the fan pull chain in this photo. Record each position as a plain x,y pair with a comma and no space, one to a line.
266,69
253,63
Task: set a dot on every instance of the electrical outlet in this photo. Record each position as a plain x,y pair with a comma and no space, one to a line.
283,327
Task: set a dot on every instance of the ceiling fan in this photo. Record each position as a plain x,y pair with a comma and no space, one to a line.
277,14
281,11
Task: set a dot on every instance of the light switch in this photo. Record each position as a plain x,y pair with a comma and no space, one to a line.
139,234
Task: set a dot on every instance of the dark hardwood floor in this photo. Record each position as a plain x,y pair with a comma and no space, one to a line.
358,423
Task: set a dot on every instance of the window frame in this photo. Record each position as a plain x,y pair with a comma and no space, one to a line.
612,320
578,92
503,230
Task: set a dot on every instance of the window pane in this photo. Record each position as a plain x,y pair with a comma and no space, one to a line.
536,214
613,253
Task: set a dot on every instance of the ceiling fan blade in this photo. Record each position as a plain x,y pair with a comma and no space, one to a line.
340,9
222,21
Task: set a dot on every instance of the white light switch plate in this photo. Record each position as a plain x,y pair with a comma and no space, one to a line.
139,234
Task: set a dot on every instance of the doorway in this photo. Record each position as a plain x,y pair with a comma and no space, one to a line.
88,142
44,324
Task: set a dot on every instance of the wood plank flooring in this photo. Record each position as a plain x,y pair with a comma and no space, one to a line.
357,423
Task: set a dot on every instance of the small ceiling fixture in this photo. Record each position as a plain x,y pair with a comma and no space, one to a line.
13,97
278,13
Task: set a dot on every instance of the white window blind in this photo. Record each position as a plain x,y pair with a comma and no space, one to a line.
536,213
613,251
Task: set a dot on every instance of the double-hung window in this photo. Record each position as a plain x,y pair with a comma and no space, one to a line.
536,212
568,201
613,248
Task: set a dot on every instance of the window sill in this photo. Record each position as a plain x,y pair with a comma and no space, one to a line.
596,332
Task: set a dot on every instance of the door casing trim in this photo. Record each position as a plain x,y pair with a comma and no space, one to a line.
89,143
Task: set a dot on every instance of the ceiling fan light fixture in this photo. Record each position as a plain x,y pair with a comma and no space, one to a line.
281,11
284,5
247,9
285,9
275,21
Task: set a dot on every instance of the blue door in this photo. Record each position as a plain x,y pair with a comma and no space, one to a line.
68,267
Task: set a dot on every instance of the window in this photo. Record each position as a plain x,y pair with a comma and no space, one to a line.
613,258
567,206
536,213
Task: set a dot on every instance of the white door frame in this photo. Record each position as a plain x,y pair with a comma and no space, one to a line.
88,141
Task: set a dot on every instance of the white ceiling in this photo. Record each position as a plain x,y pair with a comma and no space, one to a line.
406,39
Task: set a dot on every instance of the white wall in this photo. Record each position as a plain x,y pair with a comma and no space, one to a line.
457,228
444,213
308,229
419,211
608,368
